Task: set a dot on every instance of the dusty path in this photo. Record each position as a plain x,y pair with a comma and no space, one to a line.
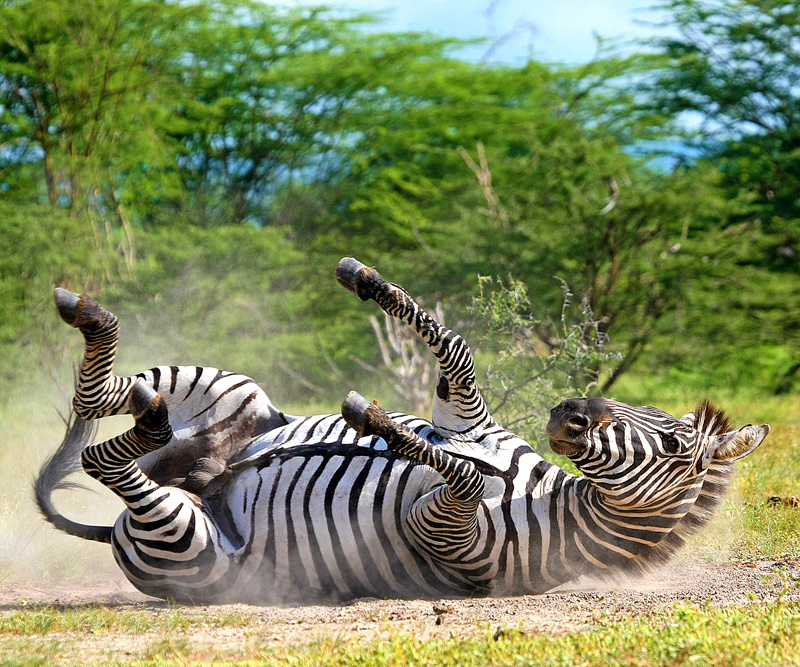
567,609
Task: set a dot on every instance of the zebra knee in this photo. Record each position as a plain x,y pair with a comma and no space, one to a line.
92,463
85,412
151,415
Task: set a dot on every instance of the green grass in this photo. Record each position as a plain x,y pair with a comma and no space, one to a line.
94,619
686,634
763,528
44,634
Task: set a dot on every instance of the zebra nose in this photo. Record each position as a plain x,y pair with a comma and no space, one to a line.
572,417
578,422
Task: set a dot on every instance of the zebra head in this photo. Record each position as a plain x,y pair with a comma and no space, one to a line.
644,458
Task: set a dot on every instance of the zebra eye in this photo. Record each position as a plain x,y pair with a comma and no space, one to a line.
671,444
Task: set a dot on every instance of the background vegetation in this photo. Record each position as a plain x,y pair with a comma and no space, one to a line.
201,166
630,226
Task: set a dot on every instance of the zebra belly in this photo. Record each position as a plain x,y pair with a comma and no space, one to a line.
315,512
327,526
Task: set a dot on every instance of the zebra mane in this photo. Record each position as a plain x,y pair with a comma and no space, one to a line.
710,420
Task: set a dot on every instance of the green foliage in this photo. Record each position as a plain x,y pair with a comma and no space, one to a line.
730,66
178,155
40,248
82,97
534,364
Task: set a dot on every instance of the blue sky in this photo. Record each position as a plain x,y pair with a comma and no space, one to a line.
547,30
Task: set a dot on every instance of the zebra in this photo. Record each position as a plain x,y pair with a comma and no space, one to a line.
228,499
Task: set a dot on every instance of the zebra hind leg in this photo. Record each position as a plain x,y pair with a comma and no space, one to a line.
150,415
152,431
98,392
113,462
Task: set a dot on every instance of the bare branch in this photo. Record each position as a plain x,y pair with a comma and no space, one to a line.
612,203
407,367
484,176
299,378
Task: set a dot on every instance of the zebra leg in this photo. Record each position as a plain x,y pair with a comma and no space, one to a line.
444,521
215,414
99,392
113,462
165,543
459,406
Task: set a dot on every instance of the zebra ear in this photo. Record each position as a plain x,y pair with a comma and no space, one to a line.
735,445
689,418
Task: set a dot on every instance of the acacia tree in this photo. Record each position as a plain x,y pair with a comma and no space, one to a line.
499,170
168,118
81,93
269,97
729,73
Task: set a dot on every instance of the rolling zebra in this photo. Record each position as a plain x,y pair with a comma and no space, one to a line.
229,499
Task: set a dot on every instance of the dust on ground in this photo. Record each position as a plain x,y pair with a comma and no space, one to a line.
569,608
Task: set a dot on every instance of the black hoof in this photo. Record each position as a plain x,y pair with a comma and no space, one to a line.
354,411
363,281
347,273
67,305
141,398
83,312
202,473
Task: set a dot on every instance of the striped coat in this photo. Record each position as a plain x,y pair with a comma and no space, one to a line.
229,499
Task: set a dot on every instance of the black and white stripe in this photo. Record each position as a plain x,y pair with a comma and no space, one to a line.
237,501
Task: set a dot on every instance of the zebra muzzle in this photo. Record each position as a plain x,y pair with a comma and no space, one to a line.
570,421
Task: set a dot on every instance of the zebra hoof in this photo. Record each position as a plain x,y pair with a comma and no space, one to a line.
141,398
354,411
67,304
83,312
347,273
202,473
363,281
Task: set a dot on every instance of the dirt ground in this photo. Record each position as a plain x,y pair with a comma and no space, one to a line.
569,608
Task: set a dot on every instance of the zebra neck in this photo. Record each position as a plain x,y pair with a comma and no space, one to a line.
606,534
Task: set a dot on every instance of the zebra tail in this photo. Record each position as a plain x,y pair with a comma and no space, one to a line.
53,476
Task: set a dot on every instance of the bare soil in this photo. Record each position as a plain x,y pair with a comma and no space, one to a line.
570,608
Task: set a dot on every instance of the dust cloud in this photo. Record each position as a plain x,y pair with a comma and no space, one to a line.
36,556
31,550
172,328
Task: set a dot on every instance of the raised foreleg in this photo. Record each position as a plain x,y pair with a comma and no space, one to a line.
459,406
445,522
